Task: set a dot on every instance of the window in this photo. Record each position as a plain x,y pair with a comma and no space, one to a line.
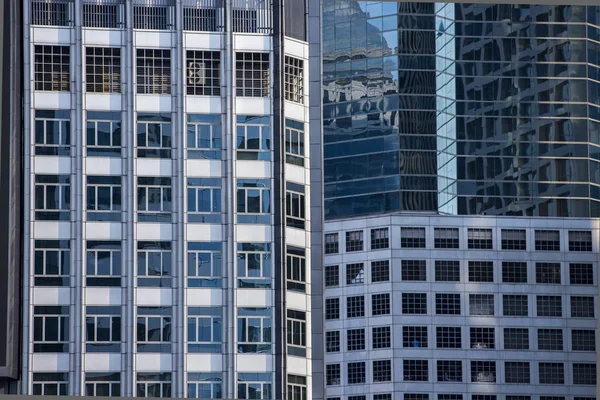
253,201
355,339
382,396
483,397
479,239
153,71
103,263
453,397
153,384
103,69
448,337
154,14
509,397
414,303
481,304
380,238
203,136
52,197
254,330
332,309
103,384
332,375
154,135
416,396
514,239
515,305
514,272
445,238
51,263
103,131
581,274
293,76
547,240
449,371
204,385
414,336
296,333
203,73
483,338
382,371
447,303
50,383
412,237
51,329
483,371
332,341
583,340
356,373
548,273
584,374
154,199
294,142
254,386
201,19
552,373
52,132
204,200
252,74
52,13
296,269
416,370
254,265
103,329
295,212
52,68
204,263
103,15
103,197
355,306
332,275
550,339
382,337
414,270
481,271
296,387
549,306
580,241
381,304
354,241
154,264
380,271
331,243
204,329
153,329
516,339
582,307
447,271
355,274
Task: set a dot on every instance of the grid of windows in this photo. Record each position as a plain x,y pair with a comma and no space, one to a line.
354,241
580,241
332,374
51,13
253,137
332,308
481,304
103,136
355,274
448,337
380,238
414,336
583,340
514,272
103,69
584,374
355,339
416,370
357,373
294,142
483,338
481,271
447,271
382,337
547,273
203,73
547,240
483,371
380,271
204,136
479,239
103,15
331,243
549,306
445,238
380,304
293,77
332,341
414,303
514,239
252,74
52,68
50,383
449,371
582,307
516,339
581,274
382,370
355,306
550,339
412,238
295,205
153,70
515,305
414,270
332,275
447,303
52,131
551,373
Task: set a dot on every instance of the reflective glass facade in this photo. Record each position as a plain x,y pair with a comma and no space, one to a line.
461,109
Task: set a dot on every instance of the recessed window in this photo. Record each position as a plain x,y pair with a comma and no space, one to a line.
547,240
252,74
414,270
52,14
154,264
479,239
515,305
583,340
580,241
516,338
447,271
153,14
448,337
483,371
253,201
153,329
52,259
296,333
355,274
332,374
380,304
103,198
51,329
103,15
355,339
414,336
481,304
332,308
416,370
514,239
483,338
355,306
154,199
294,142
103,134
332,275
449,371
103,263
253,137
445,238
357,373
205,264
254,330
296,387
412,237
581,274
202,19
50,383
203,136
382,371
52,131
254,385
481,271
414,303
332,341
204,329
582,307
584,374
382,337
551,373
254,265
103,384
549,306
204,200
296,269
153,384
52,197
103,69
354,241
295,205
331,243
548,273
550,339
514,272
52,69
153,71
293,77
203,73
103,329
154,136
380,271
380,238
516,372
447,303
203,385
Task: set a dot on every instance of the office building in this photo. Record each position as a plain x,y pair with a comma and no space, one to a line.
459,253
166,238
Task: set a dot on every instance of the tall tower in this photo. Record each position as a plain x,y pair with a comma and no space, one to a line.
166,175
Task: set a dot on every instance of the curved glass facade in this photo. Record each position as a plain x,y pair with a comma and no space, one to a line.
461,109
